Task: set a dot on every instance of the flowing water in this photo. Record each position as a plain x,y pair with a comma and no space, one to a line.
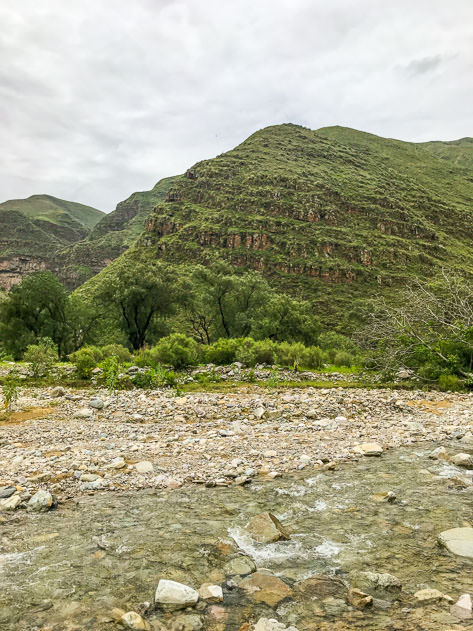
68,568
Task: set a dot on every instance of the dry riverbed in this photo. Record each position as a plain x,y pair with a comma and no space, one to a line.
72,443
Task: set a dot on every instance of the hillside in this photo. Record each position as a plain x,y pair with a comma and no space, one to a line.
33,229
333,215
111,236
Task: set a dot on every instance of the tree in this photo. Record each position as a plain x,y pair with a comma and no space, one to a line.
431,324
139,294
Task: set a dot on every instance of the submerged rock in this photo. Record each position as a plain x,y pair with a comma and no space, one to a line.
133,620
462,460
266,528
239,566
270,624
187,622
10,503
375,581
211,593
359,599
173,595
321,587
41,502
266,588
428,596
458,541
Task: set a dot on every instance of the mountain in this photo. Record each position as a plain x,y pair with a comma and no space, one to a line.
333,215
110,237
33,229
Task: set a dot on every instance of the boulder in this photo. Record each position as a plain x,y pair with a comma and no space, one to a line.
58,391
266,528
375,583
211,593
41,502
7,491
96,403
439,454
145,466
359,599
458,541
462,608
240,566
321,587
428,596
369,449
133,620
10,503
462,460
266,588
173,595
84,413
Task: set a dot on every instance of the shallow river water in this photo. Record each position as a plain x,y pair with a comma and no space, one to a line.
68,568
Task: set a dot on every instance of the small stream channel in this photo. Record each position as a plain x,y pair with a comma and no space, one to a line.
67,569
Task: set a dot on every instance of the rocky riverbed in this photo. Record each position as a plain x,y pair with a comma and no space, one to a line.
76,442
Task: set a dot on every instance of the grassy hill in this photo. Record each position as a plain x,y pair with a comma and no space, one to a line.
334,215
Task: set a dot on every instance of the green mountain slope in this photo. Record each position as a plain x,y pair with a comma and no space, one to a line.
333,215
111,236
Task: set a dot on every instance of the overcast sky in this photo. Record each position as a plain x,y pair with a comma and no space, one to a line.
100,98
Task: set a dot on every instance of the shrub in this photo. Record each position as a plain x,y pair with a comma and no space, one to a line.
315,357
111,369
449,383
252,353
143,358
117,350
222,352
41,357
85,360
292,355
10,390
342,358
176,350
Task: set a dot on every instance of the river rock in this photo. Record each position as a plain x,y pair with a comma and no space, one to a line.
462,460
133,620
428,596
96,403
359,599
84,413
7,491
145,466
266,528
187,622
173,595
240,566
58,391
462,608
439,454
458,541
369,449
211,593
270,624
10,503
375,581
41,502
266,588
321,587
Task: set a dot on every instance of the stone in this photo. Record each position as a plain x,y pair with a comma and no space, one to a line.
41,502
270,624
266,528
10,503
458,541
439,454
462,608
266,588
89,477
211,593
428,596
187,622
145,466
369,449
375,581
321,587
462,460
239,566
133,620
85,413
58,391
173,595
117,463
359,599
96,403
7,491
386,496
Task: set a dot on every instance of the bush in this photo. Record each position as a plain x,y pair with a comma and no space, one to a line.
315,357
85,360
292,355
41,357
176,350
117,350
222,352
342,358
449,383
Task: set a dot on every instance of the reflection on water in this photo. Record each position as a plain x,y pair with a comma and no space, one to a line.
67,569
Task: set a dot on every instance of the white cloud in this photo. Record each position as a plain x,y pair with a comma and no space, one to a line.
104,97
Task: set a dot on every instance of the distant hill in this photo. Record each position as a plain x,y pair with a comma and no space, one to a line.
334,215
32,230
